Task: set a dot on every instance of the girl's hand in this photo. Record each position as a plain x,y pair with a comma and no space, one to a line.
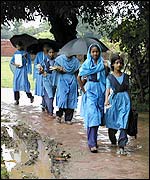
83,90
60,69
41,70
44,73
105,63
106,103
17,65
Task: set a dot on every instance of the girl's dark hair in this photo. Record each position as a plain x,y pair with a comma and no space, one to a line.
49,48
20,44
95,45
114,58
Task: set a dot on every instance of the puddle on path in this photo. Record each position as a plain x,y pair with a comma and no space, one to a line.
138,149
15,159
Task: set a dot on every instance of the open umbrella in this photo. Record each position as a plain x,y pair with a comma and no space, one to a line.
80,46
26,39
52,43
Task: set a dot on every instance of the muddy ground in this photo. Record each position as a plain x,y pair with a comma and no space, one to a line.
37,147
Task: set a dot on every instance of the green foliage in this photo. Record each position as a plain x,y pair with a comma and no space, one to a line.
128,24
44,34
19,28
133,35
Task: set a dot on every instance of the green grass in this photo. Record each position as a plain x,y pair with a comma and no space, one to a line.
7,75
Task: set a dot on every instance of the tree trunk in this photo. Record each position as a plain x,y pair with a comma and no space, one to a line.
62,30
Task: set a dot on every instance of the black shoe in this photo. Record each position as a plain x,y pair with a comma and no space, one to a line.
43,109
32,99
93,149
16,103
58,119
122,151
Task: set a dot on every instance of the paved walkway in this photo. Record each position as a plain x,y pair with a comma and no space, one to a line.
106,164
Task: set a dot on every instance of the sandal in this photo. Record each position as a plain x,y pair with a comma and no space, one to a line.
93,149
58,119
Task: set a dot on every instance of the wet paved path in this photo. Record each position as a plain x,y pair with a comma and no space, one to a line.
106,164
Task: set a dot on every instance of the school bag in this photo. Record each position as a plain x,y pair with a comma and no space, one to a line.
132,123
132,127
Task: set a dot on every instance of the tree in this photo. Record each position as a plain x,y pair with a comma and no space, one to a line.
61,14
133,33
129,25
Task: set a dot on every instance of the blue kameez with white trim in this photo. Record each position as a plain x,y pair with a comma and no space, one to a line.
20,80
39,91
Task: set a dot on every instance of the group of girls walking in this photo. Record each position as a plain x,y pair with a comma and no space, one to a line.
62,76
100,91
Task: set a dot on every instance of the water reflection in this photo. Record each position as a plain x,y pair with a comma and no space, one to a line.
10,162
15,159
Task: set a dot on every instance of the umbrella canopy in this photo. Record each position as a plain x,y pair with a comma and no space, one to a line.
80,46
26,39
52,43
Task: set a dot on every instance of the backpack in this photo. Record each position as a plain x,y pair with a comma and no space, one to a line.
132,129
133,114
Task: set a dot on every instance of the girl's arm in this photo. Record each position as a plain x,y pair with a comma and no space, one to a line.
107,97
81,83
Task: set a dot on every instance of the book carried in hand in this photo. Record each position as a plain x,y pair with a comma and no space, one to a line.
18,59
53,67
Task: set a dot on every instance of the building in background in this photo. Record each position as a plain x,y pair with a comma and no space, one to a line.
7,48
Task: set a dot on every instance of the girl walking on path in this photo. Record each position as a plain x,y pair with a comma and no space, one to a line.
20,80
48,80
40,56
67,87
119,103
92,105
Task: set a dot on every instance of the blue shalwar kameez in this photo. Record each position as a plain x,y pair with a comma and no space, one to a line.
20,80
92,105
116,116
67,87
39,90
48,84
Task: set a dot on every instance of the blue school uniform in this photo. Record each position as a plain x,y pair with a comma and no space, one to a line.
38,77
20,80
117,115
92,105
48,83
66,94
48,80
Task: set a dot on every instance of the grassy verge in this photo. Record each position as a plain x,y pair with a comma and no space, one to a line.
7,75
